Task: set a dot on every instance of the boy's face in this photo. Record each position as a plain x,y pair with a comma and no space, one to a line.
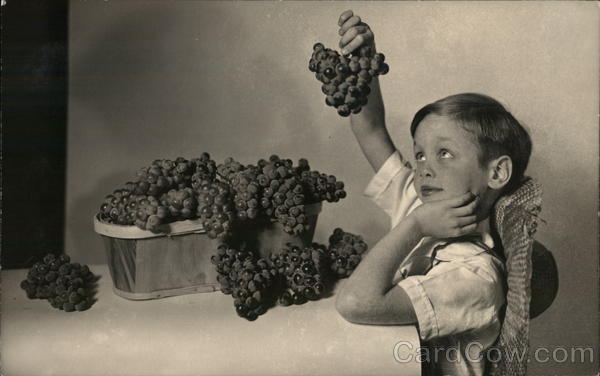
447,160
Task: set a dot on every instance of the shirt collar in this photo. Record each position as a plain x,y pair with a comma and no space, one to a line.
464,247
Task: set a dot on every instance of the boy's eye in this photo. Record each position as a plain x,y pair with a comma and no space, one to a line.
419,156
445,154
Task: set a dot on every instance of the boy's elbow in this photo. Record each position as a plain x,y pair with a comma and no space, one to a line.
349,307
374,310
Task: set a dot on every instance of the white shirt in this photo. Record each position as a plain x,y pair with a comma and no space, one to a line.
458,301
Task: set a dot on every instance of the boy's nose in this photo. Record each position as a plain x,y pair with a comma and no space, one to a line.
426,172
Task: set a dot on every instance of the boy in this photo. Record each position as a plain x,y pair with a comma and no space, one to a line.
438,267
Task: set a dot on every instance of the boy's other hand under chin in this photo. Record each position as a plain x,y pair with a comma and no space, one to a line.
447,218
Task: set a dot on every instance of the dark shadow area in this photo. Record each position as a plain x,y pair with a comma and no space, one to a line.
92,290
544,280
34,119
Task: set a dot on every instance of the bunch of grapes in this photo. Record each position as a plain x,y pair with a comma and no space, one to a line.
221,195
215,208
345,252
346,78
293,275
304,270
246,192
205,171
162,193
283,196
252,293
179,173
124,208
270,189
245,187
287,189
228,168
273,174
165,174
323,187
116,207
180,203
289,204
251,281
228,262
302,166
67,286
150,214
156,179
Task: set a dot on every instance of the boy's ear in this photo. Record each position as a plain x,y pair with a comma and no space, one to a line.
500,171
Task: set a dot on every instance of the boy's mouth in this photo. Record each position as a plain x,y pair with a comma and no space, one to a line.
427,190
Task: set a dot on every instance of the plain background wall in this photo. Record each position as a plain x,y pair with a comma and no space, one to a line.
160,79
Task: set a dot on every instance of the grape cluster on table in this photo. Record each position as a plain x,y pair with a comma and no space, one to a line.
247,278
222,195
67,286
345,252
304,271
292,275
346,78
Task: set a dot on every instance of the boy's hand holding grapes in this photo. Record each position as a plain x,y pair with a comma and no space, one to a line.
368,126
354,32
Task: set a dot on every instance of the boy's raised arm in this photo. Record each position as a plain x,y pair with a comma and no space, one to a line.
368,126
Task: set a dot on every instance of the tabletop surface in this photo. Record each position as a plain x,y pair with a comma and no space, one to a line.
197,334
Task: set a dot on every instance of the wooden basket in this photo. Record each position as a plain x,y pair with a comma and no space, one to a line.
146,265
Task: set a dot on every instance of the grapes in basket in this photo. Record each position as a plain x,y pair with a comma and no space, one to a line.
345,78
221,195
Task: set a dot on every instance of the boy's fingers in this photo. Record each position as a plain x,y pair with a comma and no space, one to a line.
358,41
468,229
344,16
351,34
465,221
468,209
462,200
352,21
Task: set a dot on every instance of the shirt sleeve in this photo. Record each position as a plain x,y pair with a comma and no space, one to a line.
392,189
456,296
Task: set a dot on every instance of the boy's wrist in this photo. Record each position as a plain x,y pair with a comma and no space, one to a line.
366,124
413,223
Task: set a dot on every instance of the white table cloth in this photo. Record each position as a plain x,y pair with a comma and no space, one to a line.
198,334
